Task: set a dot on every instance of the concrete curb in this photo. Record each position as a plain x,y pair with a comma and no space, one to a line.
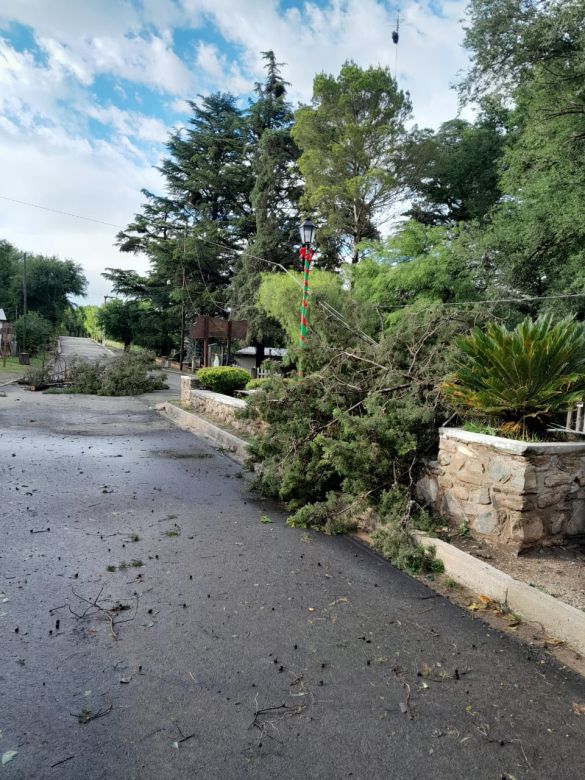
558,619
235,446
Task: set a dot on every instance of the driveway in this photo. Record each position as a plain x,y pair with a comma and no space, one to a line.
234,647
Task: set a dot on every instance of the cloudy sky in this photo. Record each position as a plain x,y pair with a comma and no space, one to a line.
89,91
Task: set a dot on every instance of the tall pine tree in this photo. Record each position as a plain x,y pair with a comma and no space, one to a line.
274,199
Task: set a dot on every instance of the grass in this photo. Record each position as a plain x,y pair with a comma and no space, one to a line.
120,346
14,367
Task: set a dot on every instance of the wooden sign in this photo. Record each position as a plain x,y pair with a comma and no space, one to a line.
206,327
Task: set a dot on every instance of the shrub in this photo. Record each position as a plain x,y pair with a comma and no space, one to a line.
254,384
522,378
128,374
223,379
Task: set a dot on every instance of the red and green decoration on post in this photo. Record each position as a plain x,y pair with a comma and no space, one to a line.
306,252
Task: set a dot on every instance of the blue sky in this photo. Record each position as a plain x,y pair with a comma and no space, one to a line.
90,90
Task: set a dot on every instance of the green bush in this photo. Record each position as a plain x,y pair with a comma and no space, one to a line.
520,379
223,379
254,384
127,374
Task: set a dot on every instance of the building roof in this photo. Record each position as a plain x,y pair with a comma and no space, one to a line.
2,316
268,351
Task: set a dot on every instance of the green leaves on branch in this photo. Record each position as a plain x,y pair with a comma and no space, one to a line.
523,377
343,437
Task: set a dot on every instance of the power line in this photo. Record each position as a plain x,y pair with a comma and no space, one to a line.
58,211
491,301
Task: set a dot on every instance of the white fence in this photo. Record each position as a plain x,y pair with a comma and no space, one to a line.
576,419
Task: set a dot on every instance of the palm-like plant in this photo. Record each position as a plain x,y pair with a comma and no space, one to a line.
523,377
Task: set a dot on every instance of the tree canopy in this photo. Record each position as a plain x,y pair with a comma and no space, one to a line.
350,137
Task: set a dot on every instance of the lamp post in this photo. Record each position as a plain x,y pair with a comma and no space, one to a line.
308,232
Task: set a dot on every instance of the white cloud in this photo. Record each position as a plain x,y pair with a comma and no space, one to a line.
72,174
317,38
129,123
209,60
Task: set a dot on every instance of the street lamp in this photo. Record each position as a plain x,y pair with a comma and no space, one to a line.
308,233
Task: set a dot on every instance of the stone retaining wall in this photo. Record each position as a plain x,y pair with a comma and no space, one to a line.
219,408
508,491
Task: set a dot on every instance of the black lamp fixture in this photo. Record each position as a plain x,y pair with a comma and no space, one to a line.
308,233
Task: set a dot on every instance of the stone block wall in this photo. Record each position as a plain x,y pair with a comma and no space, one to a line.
220,409
508,491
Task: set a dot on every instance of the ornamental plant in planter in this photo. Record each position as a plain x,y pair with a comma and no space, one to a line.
522,490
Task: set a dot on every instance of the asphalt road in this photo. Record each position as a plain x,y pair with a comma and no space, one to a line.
83,349
250,650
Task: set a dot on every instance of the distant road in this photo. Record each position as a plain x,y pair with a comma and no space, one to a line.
84,349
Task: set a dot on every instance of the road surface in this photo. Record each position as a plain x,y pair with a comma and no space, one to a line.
82,349
249,649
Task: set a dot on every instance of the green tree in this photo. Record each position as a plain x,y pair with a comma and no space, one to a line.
90,321
453,173
50,282
280,297
511,39
350,137
120,320
73,322
193,234
9,298
417,265
274,199
534,242
39,332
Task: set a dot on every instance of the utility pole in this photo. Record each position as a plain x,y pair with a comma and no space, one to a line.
182,345
24,308
182,348
106,299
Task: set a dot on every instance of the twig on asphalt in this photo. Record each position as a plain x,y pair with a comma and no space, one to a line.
109,613
63,760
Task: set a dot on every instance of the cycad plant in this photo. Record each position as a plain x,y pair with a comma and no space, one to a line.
522,378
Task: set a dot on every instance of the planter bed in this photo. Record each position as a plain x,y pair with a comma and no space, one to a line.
505,491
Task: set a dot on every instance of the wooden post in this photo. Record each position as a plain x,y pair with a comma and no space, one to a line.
229,341
206,341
